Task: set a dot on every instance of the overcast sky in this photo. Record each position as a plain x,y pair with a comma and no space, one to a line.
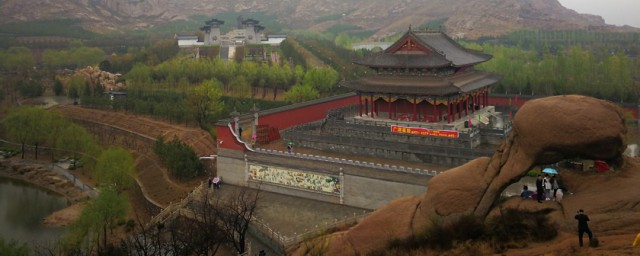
616,12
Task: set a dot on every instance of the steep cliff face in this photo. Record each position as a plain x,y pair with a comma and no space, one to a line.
470,18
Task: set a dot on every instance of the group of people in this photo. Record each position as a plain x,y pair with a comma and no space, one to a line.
547,188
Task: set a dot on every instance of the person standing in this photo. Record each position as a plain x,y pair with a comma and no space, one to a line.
583,226
539,188
554,186
547,187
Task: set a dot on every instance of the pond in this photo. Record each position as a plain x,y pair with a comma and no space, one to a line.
22,209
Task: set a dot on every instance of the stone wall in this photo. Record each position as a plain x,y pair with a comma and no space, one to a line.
362,184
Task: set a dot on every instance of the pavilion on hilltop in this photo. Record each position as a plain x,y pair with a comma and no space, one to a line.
423,77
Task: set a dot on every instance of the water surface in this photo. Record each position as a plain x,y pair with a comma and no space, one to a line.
22,209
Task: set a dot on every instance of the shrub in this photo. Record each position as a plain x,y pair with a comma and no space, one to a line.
533,173
179,157
515,226
511,229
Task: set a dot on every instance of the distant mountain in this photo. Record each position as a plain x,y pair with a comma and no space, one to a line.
463,18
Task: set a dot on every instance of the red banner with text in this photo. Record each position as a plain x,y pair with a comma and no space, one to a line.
424,131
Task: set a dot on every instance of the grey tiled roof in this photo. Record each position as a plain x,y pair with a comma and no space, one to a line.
452,51
445,52
404,61
458,83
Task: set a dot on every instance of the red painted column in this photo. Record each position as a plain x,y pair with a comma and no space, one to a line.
456,111
360,105
415,106
434,110
448,112
486,99
453,111
389,107
466,107
372,107
395,109
365,107
473,103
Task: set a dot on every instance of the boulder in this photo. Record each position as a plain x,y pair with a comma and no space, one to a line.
545,131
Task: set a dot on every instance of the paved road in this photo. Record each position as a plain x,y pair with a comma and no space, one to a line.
60,168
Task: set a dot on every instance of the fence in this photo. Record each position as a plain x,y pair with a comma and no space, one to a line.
349,162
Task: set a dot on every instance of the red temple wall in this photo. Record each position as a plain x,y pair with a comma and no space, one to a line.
286,117
225,138
305,114
291,115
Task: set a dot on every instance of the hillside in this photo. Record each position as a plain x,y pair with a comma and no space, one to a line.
469,19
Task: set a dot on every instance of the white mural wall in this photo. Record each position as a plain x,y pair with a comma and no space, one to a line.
295,178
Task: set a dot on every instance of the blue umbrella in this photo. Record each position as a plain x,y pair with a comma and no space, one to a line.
550,171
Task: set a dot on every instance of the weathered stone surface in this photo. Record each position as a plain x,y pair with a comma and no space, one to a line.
545,131
107,80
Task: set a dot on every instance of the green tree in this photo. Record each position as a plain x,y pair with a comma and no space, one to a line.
105,65
322,79
13,248
58,87
115,168
99,216
19,59
86,56
240,87
344,40
301,93
203,101
28,125
140,73
31,88
74,139
75,86
179,157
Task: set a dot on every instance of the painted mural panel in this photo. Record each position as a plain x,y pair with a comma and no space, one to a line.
295,178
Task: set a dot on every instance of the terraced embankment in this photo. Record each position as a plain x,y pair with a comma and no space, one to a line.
138,134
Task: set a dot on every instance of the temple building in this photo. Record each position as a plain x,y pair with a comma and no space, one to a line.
422,100
423,77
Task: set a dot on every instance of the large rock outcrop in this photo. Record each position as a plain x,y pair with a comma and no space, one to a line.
544,131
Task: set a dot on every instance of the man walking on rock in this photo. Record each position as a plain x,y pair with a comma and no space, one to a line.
583,226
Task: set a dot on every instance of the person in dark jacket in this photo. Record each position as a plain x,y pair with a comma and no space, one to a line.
539,188
583,226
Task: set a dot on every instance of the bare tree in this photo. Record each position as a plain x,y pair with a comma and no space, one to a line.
236,215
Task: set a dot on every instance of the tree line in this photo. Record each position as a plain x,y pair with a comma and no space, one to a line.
606,74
